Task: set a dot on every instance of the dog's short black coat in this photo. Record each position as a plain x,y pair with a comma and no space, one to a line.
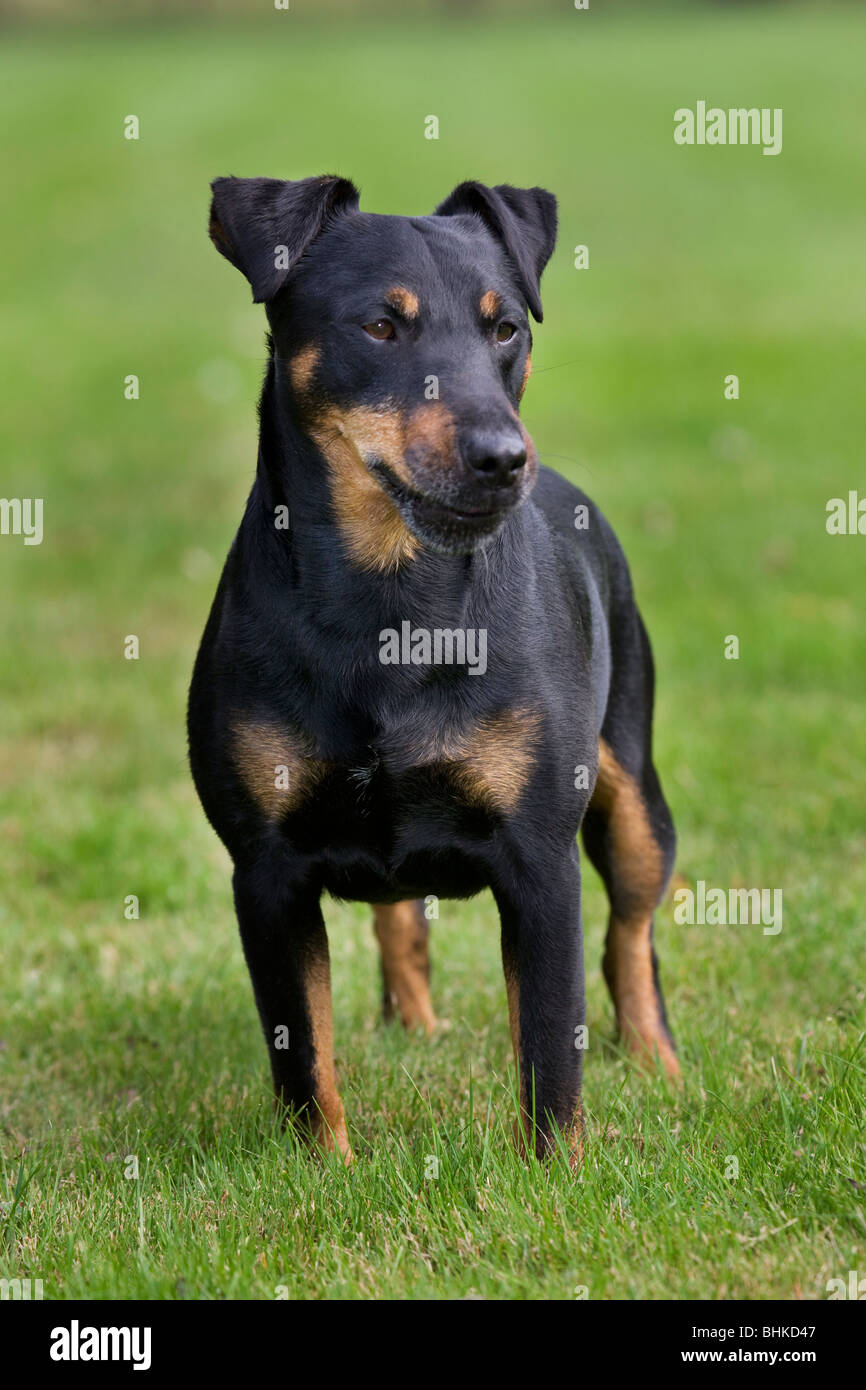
395,483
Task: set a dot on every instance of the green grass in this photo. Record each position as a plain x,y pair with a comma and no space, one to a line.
140,1037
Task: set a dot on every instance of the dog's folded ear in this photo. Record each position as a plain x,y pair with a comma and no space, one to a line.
264,226
523,219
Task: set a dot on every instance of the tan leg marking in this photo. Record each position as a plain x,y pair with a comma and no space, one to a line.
405,962
639,871
327,1117
512,986
575,1139
520,1129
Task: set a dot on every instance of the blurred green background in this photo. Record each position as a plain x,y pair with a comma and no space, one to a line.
703,262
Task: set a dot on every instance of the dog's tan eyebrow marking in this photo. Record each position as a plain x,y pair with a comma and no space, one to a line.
491,303
404,301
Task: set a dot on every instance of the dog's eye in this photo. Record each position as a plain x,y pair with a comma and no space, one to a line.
505,332
380,329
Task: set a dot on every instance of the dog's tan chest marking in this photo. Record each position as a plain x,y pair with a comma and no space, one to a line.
491,763
275,766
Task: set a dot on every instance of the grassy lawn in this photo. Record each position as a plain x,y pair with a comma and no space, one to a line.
139,1038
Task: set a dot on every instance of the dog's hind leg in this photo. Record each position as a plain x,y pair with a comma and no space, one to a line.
629,837
402,931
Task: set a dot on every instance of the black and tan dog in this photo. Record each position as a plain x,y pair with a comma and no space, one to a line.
399,502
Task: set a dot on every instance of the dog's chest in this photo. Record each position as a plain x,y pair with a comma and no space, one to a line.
484,763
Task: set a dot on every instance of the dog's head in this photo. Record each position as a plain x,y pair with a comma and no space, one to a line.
404,341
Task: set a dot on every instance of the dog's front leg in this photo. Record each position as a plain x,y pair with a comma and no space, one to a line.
286,948
542,953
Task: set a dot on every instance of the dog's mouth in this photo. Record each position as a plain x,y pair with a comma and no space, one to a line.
453,527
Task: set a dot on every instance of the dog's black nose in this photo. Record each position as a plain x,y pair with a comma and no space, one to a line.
495,456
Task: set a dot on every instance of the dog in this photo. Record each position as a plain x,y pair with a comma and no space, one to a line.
398,497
